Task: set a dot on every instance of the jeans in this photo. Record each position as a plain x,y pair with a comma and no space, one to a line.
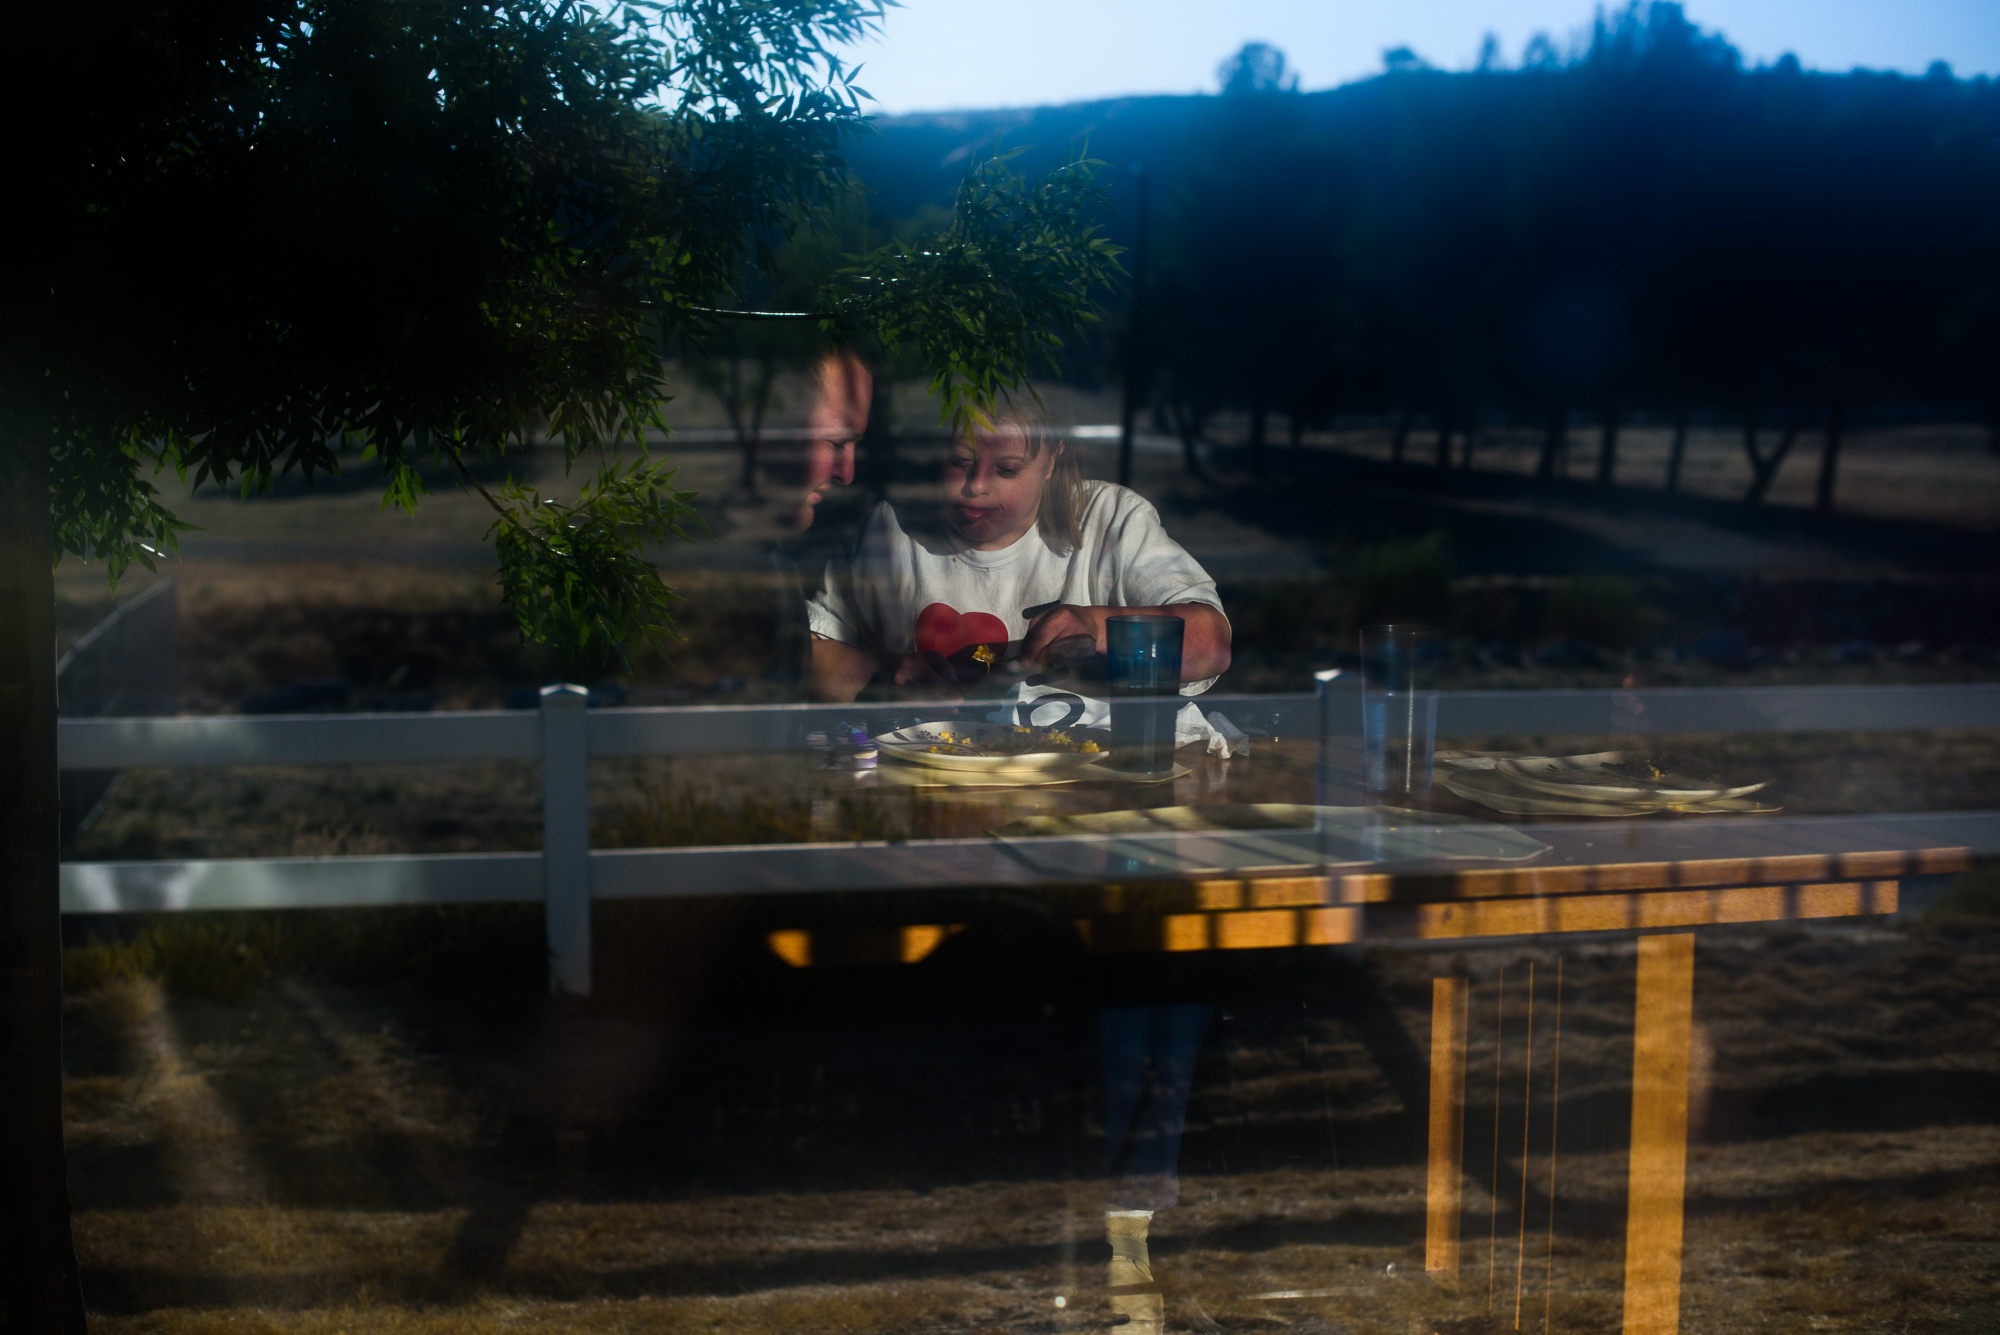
1149,1055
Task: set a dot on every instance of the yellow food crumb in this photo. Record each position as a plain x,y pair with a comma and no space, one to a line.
984,654
995,739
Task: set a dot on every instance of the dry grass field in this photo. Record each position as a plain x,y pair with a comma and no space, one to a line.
329,1158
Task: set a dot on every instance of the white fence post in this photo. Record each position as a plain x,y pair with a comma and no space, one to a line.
566,836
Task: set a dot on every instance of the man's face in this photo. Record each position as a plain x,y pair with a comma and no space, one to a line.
801,471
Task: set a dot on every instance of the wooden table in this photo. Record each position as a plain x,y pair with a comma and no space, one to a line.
1656,876
1653,878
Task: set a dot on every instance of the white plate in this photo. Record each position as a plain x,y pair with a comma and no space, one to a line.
1497,789
924,776
915,746
1616,776
1186,842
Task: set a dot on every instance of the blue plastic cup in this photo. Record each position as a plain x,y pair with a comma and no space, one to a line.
1143,664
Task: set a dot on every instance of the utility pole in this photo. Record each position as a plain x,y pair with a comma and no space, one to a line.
1135,361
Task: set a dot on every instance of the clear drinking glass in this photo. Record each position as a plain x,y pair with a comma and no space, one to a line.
1144,667
1398,710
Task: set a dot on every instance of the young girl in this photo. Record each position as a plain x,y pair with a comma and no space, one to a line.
1016,528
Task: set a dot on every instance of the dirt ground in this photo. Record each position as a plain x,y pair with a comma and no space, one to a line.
323,1158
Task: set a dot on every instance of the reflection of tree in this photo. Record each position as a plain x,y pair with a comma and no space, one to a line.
740,361
1241,311
721,373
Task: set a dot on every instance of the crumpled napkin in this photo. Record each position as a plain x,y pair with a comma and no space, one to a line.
1223,738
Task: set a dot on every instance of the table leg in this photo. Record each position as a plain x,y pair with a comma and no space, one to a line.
1662,1031
1447,1157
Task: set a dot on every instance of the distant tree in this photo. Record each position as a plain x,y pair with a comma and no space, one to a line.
1402,60
1241,297
1644,226
1257,68
1638,226
740,362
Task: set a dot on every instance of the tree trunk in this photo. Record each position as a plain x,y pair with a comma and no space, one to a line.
1829,460
1607,449
1471,439
1764,469
1296,426
1555,446
38,1275
1750,425
1679,450
732,405
767,384
760,403
1444,444
1400,439
1188,424
1258,421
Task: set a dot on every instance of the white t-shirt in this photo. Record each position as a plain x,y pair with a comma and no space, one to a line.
1125,560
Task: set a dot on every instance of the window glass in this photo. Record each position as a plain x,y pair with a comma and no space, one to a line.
1435,771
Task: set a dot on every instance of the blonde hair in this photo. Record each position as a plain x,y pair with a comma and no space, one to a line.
1059,515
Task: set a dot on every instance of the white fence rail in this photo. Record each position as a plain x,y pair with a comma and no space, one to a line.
566,876
343,739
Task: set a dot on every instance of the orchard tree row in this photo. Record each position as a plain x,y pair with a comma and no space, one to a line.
1641,226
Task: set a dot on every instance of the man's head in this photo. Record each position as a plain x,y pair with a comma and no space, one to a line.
801,471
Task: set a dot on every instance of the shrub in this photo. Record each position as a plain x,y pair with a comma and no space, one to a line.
206,960
1400,581
432,946
198,958
224,957
93,966
1976,894
1603,610
1281,619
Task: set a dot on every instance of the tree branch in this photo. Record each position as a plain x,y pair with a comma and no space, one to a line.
465,474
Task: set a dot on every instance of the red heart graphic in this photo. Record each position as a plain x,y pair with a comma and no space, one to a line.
941,629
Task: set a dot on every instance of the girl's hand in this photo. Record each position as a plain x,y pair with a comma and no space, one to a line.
1060,623
1204,650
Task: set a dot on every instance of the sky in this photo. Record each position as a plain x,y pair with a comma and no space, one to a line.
939,55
